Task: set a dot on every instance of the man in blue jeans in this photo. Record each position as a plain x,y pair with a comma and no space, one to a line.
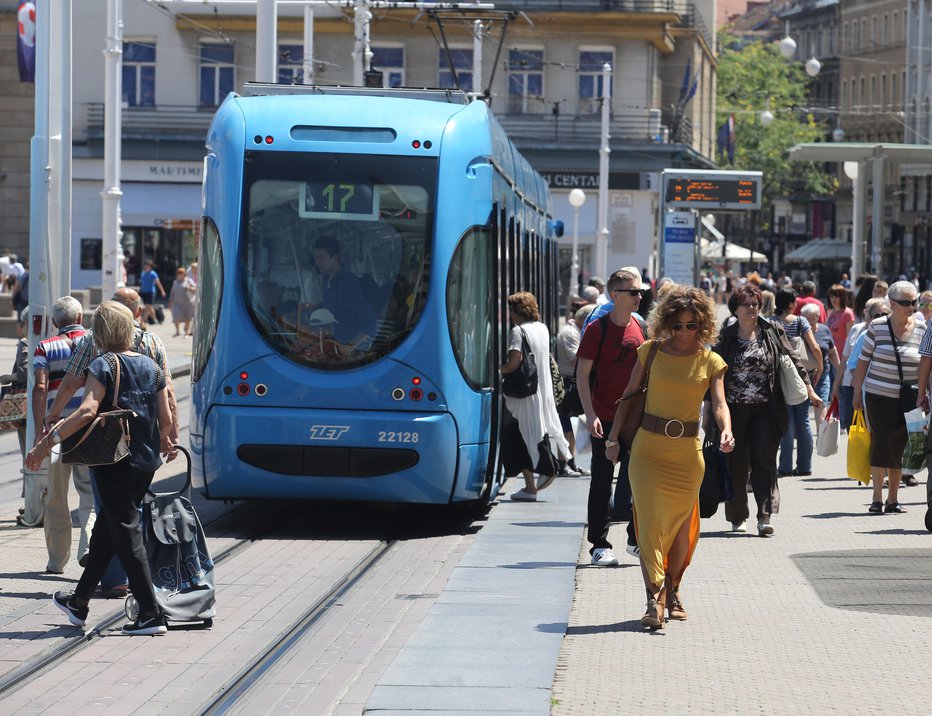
608,351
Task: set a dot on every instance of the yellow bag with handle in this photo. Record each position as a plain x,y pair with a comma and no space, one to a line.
859,449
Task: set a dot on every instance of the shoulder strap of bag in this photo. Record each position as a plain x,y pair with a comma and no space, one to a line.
655,346
115,367
525,343
896,350
603,319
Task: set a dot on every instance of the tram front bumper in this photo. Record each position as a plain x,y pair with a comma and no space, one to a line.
329,454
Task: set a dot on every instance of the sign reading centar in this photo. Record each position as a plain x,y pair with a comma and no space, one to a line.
688,189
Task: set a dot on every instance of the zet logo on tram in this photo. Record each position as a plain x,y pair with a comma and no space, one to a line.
328,432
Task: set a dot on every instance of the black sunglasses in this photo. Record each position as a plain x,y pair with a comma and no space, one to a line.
629,291
692,327
903,302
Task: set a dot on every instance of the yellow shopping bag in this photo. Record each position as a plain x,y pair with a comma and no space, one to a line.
859,449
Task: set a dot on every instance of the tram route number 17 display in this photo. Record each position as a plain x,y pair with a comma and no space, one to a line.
338,200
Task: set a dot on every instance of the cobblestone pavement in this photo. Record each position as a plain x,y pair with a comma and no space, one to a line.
831,614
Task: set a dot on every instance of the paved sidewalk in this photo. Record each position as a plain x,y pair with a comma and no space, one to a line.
830,615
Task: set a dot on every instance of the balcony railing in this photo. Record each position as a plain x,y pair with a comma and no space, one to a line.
185,123
586,130
191,123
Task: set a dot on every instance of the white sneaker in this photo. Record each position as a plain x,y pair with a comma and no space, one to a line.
764,529
545,481
633,550
604,557
524,496
739,526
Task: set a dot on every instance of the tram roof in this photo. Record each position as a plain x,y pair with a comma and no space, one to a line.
451,96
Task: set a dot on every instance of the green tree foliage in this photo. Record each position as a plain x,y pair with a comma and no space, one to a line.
749,76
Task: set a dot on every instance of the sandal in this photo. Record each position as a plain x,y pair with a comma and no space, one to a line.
894,507
876,507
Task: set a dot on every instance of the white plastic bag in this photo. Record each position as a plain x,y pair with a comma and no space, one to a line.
914,454
827,439
583,443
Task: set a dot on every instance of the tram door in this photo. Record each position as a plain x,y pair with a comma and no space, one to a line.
498,319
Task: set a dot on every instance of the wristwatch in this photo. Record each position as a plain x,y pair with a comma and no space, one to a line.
55,437
611,443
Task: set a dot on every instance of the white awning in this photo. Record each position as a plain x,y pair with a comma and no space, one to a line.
821,250
712,250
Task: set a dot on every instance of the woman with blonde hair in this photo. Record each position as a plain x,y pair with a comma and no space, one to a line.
538,442
122,485
666,465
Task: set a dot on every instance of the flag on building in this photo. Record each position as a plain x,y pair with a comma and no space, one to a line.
689,86
26,41
726,140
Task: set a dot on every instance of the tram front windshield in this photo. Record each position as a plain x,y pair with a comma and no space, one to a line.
336,252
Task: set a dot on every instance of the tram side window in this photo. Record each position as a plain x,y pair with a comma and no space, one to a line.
209,291
469,305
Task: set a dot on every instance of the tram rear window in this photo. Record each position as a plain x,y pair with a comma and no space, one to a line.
336,252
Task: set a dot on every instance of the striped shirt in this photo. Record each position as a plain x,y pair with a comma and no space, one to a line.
883,377
52,355
795,329
144,342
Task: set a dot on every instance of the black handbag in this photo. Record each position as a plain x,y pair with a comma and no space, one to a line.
716,481
909,394
106,440
522,383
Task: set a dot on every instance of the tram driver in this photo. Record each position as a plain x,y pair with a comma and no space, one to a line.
342,296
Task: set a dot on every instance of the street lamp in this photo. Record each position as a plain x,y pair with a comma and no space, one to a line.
577,199
813,67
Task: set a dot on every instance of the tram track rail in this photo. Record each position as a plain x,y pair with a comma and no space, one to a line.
27,672
233,691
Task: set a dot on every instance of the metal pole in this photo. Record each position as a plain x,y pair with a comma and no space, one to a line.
308,45
362,55
111,269
604,151
477,58
266,40
60,249
574,269
877,214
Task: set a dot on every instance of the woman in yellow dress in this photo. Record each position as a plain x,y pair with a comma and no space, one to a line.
666,457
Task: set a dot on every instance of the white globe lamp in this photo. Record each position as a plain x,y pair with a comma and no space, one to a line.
813,67
838,134
577,198
788,47
766,118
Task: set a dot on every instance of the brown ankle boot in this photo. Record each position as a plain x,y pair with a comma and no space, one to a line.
653,617
674,604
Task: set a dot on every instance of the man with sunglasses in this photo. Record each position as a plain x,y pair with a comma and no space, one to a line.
609,352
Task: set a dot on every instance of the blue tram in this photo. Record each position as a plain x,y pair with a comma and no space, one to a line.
357,248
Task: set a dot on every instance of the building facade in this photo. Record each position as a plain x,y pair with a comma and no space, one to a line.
544,84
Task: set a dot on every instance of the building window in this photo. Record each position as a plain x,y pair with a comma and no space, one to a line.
91,254
462,64
854,95
885,30
525,81
390,61
893,98
216,64
894,29
291,64
847,37
139,74
874,31
590,78
883,91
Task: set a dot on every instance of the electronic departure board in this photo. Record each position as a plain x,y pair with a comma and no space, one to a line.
711,189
